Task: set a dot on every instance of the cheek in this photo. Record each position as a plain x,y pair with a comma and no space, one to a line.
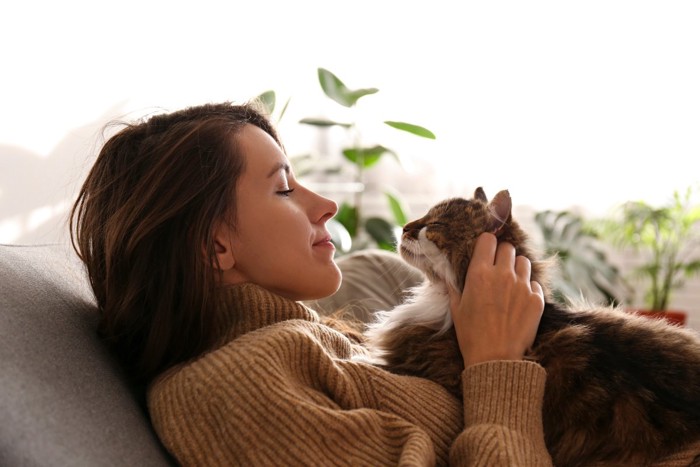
434,237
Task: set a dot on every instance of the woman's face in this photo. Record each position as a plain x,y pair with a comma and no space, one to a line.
280,241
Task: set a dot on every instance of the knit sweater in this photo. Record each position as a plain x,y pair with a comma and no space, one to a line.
284,389
281,388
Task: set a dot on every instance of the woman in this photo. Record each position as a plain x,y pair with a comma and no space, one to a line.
200,244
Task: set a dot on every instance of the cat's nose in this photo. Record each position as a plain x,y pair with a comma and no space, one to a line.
410,231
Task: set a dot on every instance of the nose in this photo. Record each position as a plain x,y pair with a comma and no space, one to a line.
325,208
411,229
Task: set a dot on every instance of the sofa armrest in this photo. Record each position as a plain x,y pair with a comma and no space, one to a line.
63,399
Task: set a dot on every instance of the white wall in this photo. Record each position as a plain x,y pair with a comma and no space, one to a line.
566,104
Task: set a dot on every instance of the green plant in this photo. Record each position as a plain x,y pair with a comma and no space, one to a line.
668,236
584,271
268,101
363,230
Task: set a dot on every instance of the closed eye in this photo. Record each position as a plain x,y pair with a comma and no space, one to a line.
285,192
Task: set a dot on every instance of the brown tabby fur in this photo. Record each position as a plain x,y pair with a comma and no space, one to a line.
620,388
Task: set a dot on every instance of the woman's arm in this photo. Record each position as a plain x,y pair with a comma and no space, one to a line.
503,416
280,397
284,398
496,319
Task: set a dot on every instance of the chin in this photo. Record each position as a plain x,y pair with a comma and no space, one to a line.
321,284
327,286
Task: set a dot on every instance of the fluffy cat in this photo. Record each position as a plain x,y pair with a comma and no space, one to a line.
620,388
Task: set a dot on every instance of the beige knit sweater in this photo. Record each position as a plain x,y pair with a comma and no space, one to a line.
284,389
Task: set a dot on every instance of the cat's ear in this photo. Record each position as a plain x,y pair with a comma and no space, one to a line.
499,211
480,194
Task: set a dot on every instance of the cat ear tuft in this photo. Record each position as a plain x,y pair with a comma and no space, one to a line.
499,210
480,194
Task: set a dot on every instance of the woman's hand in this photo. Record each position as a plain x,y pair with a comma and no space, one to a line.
497,315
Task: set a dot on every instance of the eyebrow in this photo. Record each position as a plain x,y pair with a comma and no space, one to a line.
278,167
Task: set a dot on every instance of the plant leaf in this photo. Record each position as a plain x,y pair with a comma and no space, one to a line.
397,209
334,88
381,232
323,122
267,99
339,235
284,109
413,129
366,157
347,215
692,268
585,270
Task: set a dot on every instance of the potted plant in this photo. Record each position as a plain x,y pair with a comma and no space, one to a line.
365,231
351,229
667,238
584,270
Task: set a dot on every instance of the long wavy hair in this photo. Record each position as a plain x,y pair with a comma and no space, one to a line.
143,225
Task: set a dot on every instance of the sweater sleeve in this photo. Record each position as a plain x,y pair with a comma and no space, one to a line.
502,416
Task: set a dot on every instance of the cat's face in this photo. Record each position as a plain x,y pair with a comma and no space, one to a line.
441,243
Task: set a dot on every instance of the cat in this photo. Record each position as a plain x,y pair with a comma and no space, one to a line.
620,388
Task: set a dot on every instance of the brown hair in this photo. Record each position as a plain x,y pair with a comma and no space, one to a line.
143,224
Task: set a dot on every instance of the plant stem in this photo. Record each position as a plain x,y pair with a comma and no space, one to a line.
656,290
359,177
671,266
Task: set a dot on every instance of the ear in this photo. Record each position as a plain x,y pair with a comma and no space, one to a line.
223,248
480,194
499,211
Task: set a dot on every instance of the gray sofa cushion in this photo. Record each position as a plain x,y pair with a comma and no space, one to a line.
372,280
63,400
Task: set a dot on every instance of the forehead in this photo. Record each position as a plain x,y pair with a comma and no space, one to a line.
456,204
260,150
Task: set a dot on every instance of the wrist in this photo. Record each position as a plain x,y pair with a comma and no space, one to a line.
491,355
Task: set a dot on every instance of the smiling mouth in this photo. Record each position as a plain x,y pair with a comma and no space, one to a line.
324,241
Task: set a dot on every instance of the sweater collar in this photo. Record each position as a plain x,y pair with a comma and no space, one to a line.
246,307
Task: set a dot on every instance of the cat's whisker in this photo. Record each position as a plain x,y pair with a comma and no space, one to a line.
410,252
440,265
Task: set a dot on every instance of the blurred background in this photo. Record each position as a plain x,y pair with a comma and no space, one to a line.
569,105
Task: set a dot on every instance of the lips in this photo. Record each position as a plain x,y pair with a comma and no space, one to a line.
322,240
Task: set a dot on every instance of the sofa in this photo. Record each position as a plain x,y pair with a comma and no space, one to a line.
64,400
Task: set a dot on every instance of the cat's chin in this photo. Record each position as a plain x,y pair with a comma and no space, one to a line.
412,257
422,263
424,255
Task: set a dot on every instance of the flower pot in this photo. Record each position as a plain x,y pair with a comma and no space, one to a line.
676,317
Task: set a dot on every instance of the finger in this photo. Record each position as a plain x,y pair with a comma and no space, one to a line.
537,288
485,248
505,255
523,267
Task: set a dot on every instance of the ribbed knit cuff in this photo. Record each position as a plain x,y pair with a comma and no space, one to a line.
507,393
